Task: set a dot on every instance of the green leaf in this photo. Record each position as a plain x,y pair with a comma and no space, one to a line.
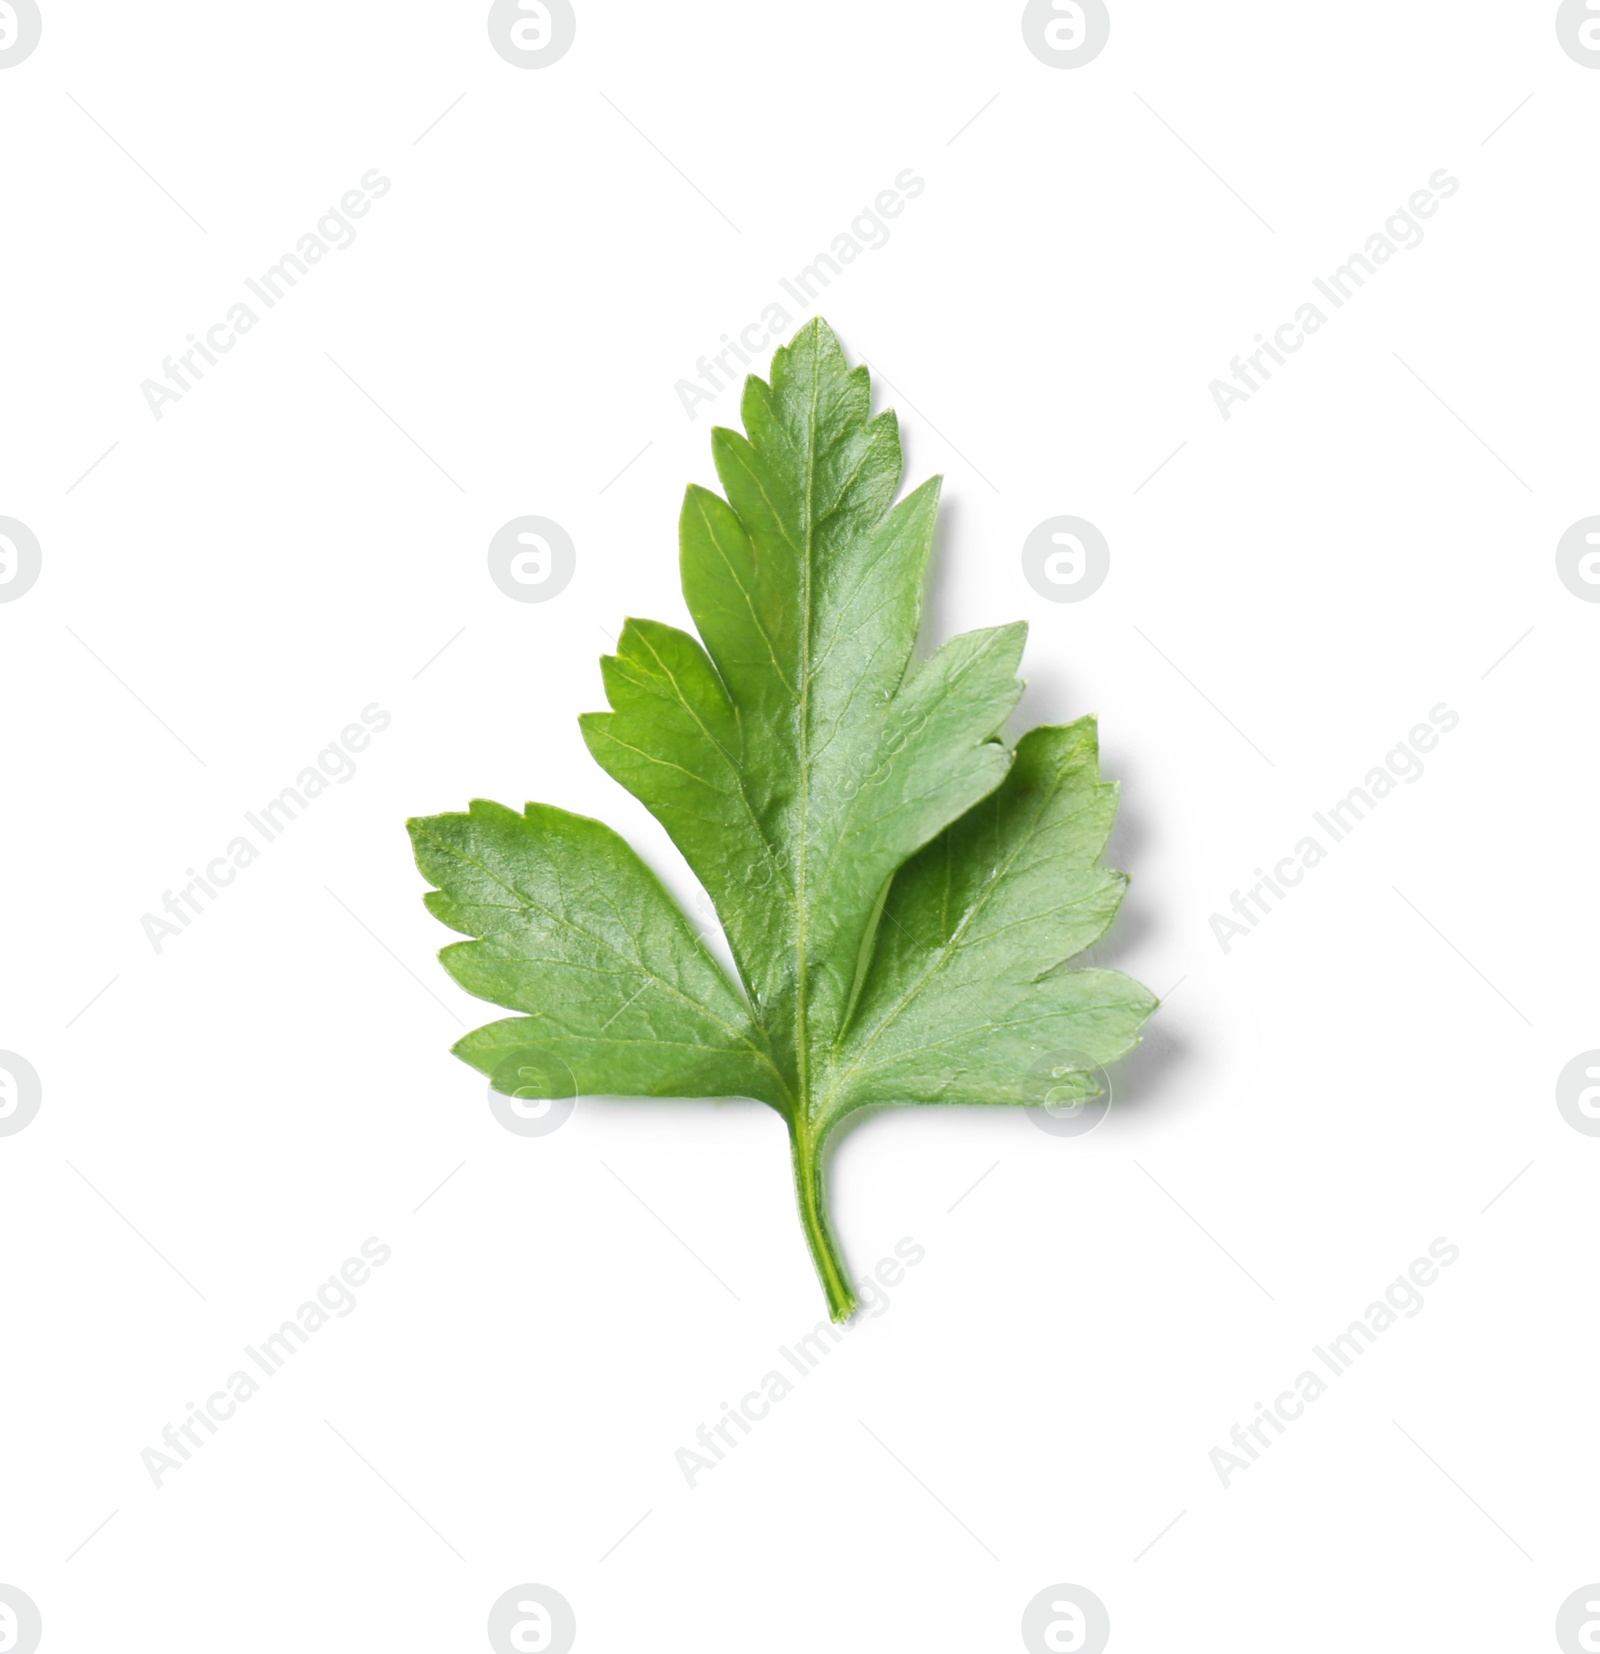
574,930
900,892
967,1000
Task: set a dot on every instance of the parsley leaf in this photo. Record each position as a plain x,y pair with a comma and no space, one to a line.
901,891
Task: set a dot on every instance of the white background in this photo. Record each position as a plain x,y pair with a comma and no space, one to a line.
1363,540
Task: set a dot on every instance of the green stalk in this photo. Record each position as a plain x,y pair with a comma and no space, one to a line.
835,1279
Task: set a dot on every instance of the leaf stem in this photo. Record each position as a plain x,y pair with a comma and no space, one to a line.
842,1301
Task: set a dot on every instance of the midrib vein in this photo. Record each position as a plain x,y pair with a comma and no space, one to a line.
802,960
